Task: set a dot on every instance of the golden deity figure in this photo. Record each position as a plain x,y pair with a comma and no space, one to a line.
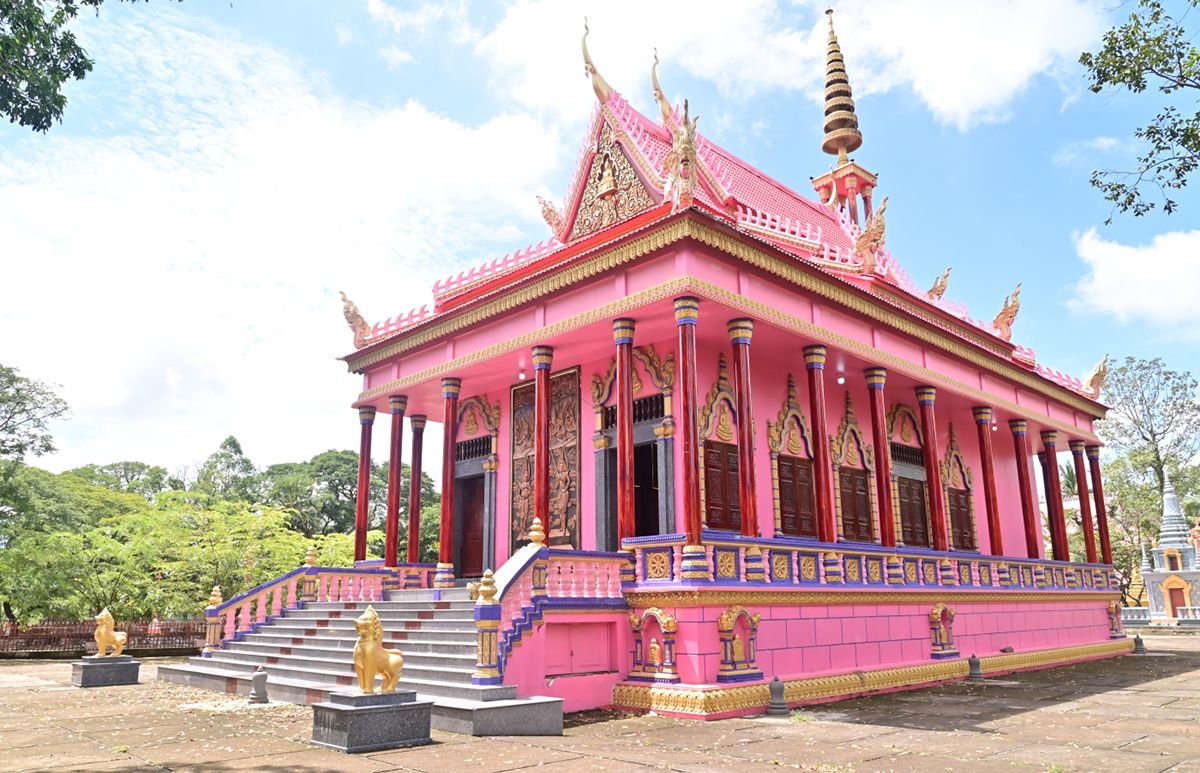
939,284
360,327
739,651
107,637
1095,379
1008,313
370,656
870,241
654,654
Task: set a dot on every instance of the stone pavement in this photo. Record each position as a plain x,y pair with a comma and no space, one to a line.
1131,714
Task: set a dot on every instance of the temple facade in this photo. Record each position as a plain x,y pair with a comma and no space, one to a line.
709,432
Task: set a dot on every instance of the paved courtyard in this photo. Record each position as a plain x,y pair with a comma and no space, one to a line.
1131,714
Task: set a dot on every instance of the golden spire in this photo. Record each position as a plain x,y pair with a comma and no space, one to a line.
599,85
659,97
841,124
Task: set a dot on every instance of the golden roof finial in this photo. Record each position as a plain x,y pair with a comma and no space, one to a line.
841,124
599,85
659,97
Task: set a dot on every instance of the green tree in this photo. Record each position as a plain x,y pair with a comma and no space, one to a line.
1154,418
1066,477
26,408
228,474
1152,50
134,477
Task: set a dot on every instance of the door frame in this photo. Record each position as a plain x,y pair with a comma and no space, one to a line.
469,469
606,506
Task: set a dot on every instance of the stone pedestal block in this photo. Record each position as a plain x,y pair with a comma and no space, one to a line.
95,671
353,722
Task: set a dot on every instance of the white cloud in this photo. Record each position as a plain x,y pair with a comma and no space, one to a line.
420,17
1085,150
345,35
395,57
1127,281
966,61
178,275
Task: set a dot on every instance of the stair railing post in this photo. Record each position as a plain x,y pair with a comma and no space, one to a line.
308,589
487,633
214,623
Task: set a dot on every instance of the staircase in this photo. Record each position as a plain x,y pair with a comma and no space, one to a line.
309,653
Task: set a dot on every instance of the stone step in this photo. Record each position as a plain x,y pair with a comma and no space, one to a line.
347,624
418,663
339,649
428,594
425,681
270,636
402,616
401,605
501,716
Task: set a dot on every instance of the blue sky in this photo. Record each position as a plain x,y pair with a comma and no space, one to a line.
178,243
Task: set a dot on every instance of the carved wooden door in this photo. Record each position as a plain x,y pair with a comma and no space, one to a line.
797,516
471,560
856,504
1175,600
914,521
722,509
959,503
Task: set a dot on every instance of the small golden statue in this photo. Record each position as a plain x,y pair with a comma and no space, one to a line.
360,327
1095,379
1008,314
654,654
370,656
106,637
870,241
939,284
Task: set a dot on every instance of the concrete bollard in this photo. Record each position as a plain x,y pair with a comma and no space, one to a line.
1139,646
777,707
258,686
975,674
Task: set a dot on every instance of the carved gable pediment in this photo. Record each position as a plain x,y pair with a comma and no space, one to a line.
613,192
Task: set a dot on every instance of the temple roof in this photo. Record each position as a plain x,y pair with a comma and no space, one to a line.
632,167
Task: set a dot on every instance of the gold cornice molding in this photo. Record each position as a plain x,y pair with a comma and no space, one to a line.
700,702
811,279
703,597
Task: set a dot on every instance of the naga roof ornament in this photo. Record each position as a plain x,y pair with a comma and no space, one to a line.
841,124
681,165
1095,379
940,284
354,318
1008,313
870,241
599,85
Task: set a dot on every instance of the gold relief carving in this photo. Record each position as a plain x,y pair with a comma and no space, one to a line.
602,384
985,574
780,566
563,528
724,431
726,565
903,425
1008,314
874,571
613,191
929,573
954,469
964,573
923,328
660,371
721,393
790,429
489,413
808,568
658,566
724,598
852,570
666,622
700,702
870,241
910,571
849,439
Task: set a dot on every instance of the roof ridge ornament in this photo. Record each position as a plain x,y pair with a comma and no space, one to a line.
1095,379
841,124
659,97
354,318
940,284
599,85
1008,314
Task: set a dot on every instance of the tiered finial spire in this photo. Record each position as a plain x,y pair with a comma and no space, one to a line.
841,124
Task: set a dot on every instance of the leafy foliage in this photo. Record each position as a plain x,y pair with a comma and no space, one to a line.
26,407
1152,50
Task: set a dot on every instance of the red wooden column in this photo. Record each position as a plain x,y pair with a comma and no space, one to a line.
444,575
740,333
1054,504
366,418
695,561
543,356
1093,455
397,403
414,489
814,361
623,339
926,396
876,379
1085,503
983,424
1029,514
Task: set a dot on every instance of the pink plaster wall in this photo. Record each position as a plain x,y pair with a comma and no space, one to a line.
795,642
527,665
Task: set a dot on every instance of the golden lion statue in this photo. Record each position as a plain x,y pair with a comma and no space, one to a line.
106,637
370,656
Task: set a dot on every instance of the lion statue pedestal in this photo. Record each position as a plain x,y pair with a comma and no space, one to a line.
104,669
366,721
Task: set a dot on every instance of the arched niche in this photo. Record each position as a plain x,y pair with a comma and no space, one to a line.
789,440
853,463
654,633
738,632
